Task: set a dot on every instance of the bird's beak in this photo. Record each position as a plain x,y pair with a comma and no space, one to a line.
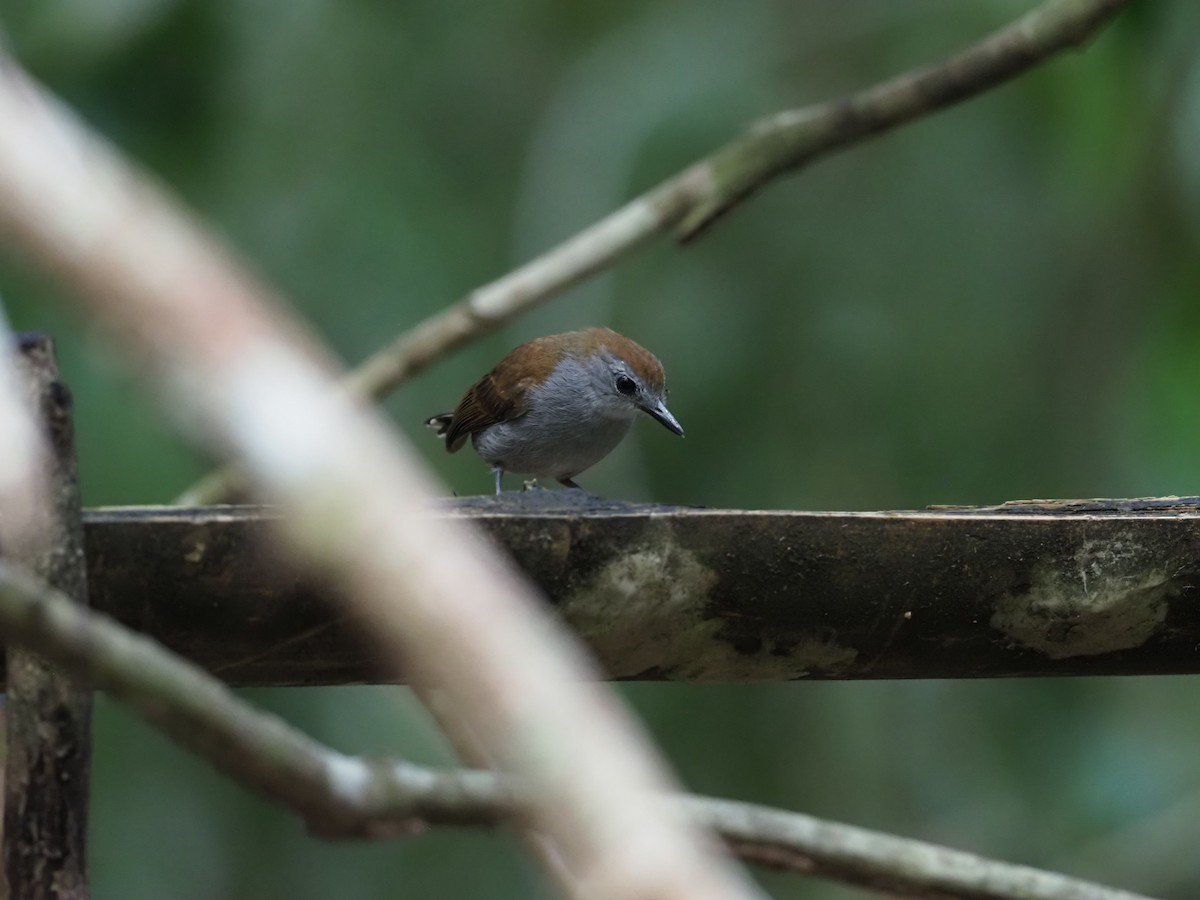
659,411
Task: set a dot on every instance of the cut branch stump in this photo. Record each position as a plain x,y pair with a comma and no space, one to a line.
48,717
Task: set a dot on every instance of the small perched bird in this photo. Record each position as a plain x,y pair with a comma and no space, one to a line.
558,405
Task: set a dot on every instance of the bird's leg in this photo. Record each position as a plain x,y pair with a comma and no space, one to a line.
499,477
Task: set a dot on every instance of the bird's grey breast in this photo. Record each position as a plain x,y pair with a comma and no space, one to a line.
569,425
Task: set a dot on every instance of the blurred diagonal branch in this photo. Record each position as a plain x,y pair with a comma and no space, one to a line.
692,200
25,519
341,796
441,602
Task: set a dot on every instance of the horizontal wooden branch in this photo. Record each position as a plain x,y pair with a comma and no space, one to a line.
1048,588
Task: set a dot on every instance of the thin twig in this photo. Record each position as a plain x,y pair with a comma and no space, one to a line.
690,201
438,599
341,796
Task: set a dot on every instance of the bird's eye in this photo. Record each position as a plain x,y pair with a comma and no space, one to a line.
626,385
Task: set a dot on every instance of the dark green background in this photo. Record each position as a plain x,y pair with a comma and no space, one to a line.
996,303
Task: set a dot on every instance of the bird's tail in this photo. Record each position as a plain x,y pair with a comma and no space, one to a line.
440,422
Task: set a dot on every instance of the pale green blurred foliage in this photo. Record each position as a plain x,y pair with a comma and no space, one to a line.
996,303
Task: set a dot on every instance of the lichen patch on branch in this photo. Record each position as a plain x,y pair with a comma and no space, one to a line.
650,609
1114,597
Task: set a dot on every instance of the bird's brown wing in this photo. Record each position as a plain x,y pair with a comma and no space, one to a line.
499,396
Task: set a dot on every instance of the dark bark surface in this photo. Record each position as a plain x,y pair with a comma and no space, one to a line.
48,716
1037,588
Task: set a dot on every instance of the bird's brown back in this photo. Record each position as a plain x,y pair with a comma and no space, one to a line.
500,395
